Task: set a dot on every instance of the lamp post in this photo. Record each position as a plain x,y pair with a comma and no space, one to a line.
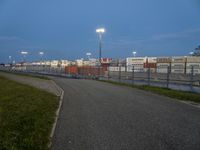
134,53
100,32
24,55
88,55
10,59
41,55
191,53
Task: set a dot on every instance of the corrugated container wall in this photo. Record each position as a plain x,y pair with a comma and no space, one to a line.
151,60
193,59
163,60
178,59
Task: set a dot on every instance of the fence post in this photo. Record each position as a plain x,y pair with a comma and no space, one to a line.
119,72
133,71
108,72
192,78
149,76
168,76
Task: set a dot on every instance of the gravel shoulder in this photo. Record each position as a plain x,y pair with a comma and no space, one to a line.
47,85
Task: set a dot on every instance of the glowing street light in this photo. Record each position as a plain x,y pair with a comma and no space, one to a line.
191,53
100,32
24,53
134,53
10,59
88,55
41,53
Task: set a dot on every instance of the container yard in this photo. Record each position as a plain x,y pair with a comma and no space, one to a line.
163,64
174,65
137,63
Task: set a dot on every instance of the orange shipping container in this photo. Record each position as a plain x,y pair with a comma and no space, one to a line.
149,65
71,70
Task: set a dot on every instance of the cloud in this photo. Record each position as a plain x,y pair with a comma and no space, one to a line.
128,41
184,34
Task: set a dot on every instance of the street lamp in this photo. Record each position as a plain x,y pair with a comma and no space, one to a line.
10,59
134,53
191,53
88,55
41,55
24,54
100,32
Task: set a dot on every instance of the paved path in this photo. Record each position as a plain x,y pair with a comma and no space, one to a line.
101,116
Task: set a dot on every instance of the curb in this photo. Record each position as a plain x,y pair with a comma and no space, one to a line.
57,113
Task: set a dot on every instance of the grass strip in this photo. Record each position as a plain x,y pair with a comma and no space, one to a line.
27,75
26,116
180,95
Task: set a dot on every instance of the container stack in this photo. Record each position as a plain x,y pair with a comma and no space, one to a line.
163,63
194,62
178,65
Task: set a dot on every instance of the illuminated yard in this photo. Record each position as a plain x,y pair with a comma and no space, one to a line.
26,116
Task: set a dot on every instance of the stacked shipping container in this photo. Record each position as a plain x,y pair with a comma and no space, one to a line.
163,64
178,65
193,62
137,62
150,64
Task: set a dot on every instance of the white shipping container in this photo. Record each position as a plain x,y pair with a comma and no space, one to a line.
193,59
196,67
181,59
152,59
178,67
135,60
116,69
162,70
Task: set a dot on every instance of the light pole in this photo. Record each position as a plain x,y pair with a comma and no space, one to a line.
10,59
134,53
24,55
41,55
100,32
191,53
88,55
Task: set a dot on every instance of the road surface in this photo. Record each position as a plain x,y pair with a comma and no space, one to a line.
102,116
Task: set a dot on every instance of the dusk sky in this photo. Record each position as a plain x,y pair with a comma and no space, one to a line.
65,29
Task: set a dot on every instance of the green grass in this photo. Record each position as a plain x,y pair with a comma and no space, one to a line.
180,95
26,116
28,75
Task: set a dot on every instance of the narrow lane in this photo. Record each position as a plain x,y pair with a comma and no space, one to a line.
101,116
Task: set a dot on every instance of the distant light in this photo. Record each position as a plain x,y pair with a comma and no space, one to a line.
134,53
41,53
100,30
9,57
88,54
191,53
24,53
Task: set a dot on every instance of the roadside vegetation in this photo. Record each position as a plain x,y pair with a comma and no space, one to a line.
27,75
180,95
26,116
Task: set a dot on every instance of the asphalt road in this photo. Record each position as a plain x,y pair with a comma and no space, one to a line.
101,116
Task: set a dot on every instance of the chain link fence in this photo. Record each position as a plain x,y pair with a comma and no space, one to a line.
120,72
